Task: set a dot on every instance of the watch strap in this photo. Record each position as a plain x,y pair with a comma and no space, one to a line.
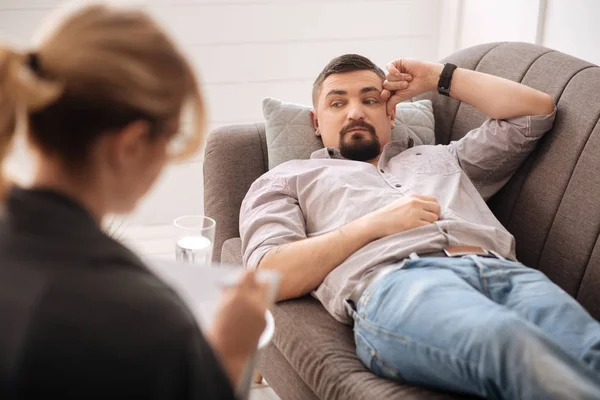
445,79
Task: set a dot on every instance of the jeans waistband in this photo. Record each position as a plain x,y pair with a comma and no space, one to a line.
454,251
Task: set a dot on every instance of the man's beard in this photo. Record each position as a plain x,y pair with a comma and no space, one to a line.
359,147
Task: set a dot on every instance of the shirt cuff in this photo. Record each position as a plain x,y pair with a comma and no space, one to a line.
257,255
540,124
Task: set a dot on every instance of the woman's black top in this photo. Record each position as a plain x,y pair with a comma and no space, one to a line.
81,316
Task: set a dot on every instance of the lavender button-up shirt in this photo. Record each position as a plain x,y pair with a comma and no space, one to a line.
305,198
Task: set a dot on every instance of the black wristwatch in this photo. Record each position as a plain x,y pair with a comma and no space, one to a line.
445,79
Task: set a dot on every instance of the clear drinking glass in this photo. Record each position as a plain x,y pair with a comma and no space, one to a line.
194,239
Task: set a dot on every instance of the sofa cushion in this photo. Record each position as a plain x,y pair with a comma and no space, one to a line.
291,136
228,176
283,378
231,252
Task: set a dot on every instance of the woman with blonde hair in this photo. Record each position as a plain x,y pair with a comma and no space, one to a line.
80,316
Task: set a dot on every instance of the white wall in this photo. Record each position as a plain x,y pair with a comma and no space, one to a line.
492,21
246,50
471,22
572,27
569,26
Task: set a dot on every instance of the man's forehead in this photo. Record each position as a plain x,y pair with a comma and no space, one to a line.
351,81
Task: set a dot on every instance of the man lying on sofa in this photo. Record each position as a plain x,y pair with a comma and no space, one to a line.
398,239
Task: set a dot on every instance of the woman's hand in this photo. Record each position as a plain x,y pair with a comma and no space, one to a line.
239,324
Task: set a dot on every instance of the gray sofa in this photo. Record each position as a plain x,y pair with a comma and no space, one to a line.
551,205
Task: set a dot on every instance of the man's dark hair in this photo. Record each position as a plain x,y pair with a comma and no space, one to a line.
341,64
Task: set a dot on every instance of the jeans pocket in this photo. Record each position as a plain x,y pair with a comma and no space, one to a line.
371,359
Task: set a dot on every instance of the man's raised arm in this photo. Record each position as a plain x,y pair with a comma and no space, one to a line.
496,97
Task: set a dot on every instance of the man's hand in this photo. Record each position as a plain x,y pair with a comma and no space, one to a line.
407,78
304,264
409,212
496,97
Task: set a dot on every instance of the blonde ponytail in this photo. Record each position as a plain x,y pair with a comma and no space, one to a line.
21,92
98,69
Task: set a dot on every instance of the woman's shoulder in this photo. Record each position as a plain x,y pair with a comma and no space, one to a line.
126,289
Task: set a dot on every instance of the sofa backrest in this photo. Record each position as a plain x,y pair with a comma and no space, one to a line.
551,204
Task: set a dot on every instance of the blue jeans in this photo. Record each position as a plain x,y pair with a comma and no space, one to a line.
481,326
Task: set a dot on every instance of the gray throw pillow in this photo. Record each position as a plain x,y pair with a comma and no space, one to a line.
290,134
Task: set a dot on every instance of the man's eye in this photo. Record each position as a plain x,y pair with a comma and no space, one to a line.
371,101
337,104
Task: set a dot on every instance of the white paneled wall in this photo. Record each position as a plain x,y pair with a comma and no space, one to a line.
467,23
572,26
492,21
246,50
569,26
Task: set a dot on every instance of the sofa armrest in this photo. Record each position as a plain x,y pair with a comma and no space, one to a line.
235,156
231,252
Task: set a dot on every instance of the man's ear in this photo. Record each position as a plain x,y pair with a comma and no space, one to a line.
315,121
392,118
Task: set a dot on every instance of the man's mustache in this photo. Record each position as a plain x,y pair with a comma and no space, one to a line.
355,125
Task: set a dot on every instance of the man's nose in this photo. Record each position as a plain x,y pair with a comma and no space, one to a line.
356,112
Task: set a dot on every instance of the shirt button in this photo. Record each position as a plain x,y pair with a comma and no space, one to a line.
398,185
382,171
418,154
